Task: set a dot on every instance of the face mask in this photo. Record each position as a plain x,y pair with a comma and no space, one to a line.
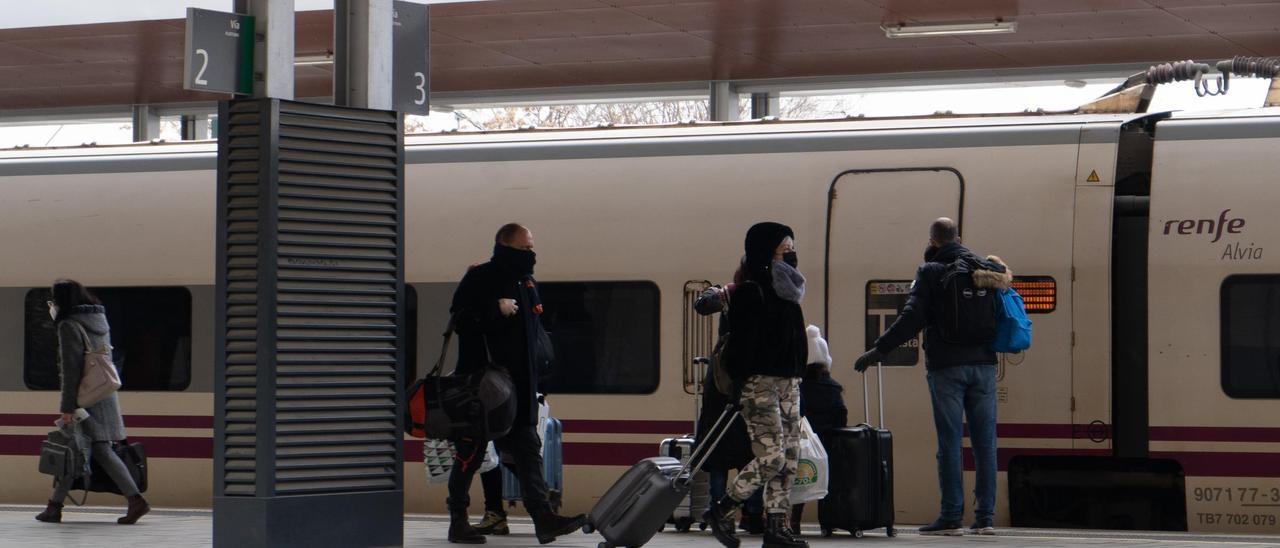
53,312
791,258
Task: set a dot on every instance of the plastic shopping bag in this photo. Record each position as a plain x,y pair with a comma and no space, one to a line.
812,470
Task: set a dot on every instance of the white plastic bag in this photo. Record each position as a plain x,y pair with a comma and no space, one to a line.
812,470
437,455
490,459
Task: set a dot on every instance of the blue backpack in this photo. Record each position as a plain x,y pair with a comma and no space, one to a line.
1013,329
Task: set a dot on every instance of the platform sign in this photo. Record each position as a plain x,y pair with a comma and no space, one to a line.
410,58
885,299
219,52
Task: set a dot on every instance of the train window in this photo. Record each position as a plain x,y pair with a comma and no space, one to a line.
605,336
150,333
1251,336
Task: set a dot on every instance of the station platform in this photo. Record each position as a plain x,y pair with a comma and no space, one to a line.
96,527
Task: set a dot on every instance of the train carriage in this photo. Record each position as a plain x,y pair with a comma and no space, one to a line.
1138,241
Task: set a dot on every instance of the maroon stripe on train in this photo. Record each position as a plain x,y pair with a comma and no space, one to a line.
1004,455
158,447
1227,465
1213,433
591,426
140,421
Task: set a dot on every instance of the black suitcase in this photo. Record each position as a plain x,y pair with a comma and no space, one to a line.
637,506
860,494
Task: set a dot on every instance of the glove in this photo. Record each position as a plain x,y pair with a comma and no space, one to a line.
508,307
864,361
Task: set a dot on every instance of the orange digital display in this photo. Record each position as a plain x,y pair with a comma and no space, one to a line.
1039,293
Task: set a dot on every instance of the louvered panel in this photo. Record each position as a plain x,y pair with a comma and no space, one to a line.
328,251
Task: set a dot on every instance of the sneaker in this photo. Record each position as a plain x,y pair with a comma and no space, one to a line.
493,524
943,528
982,527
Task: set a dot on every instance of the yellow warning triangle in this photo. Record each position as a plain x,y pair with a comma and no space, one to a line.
1093,177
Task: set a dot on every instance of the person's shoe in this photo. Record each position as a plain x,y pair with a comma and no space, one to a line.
943,528
138,507
752,523
549,526
51,514
720,520
461,532
983,527
493,524
777,535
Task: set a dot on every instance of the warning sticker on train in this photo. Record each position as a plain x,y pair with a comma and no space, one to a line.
1093,177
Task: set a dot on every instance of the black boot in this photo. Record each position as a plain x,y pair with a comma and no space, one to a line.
547,526
52,513
138,507
461,532
720,519
797,511
777,535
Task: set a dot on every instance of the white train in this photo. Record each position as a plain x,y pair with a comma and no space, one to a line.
1142,242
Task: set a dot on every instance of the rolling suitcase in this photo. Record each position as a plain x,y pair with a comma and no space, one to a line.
633,510
691,507
860,494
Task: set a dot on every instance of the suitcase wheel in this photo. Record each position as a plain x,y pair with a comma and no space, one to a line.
604,545
857,533
826,533
702,526
588,528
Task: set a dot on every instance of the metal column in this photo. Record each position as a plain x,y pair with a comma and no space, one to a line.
362,53
146,123
764,104
724,102
273,48
310,314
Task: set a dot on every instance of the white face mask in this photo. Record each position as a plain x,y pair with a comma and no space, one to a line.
53,311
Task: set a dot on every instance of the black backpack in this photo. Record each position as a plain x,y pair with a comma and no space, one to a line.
968,312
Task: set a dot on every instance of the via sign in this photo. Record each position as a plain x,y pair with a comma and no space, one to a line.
219,52
410,80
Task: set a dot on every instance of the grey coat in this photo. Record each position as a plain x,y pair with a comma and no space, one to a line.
104,422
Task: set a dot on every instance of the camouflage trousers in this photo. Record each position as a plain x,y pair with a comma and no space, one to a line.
771,408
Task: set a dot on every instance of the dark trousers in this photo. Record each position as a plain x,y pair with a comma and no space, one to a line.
492,483
524,446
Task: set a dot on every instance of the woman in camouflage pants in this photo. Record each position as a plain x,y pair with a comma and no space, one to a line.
766,355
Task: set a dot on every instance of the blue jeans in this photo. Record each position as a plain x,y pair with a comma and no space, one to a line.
959,392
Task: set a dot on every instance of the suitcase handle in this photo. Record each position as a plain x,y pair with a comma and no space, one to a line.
702,452
866,403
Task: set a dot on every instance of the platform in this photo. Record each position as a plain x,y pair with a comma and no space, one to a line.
96,527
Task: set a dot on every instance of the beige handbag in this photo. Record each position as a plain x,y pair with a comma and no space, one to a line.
99,377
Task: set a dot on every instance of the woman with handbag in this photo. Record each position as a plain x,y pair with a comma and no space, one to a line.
81,325
766,355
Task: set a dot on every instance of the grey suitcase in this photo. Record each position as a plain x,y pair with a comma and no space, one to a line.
637,506
689,512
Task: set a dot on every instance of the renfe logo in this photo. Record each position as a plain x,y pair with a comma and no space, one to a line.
1206,226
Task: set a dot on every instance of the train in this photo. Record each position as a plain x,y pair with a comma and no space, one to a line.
1141,244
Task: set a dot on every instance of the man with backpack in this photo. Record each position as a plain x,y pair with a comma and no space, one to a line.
955,299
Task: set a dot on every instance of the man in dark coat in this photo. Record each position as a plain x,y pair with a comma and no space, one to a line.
496,311
962,377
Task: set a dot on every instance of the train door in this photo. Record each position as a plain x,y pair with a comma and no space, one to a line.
877,232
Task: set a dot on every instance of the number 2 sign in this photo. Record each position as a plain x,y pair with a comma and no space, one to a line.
219,52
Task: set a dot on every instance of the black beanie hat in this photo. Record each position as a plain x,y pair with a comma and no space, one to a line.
761,243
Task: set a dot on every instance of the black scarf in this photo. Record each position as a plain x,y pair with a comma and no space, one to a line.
519,263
